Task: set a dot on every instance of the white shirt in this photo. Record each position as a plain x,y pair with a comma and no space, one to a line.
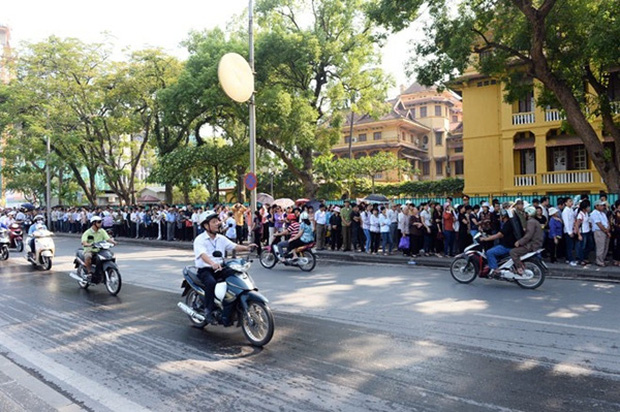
426,217
205,244
365,215
384,223
393,216
374,223
568,217
320,217
599,217
585,222
231,228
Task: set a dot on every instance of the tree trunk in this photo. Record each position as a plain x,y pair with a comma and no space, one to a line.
168,189
216,195
351,136
60,186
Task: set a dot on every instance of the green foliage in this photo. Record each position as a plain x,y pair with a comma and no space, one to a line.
447,187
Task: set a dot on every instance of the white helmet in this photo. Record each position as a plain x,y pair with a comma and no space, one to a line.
207,216
39,217
95,218
304,216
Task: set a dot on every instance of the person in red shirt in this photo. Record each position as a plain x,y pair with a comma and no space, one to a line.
449,234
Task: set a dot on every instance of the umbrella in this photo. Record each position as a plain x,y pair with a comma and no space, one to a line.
376,198
264,198
149,199
314,204
301,201
284,202
28,206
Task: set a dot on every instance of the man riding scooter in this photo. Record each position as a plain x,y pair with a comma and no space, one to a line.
93,235
530,242
39,224
507,240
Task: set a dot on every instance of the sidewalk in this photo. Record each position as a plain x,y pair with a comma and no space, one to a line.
560,270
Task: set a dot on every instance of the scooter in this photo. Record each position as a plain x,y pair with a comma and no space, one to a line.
44,249
105,269
16,236
305,261
236,298
473,263
5,242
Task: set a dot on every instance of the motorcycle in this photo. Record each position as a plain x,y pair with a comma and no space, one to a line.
236,298
105,269
305,261
44,249
5,242
473,263
16,236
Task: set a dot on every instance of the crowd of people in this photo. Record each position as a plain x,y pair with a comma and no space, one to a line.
572,228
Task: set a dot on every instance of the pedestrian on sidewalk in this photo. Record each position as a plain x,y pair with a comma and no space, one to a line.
601,230
568,217
375,231
321,226
449,234
556,229
384,228
615,221
345,214
583,228
365,216
416,231
357,236
335,223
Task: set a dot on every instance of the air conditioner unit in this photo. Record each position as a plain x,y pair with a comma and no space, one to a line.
354,140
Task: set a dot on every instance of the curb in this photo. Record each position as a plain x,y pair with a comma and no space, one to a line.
591,272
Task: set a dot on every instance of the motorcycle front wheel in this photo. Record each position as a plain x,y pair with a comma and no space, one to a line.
194,301
267,259
536,280
46,262
19,245
463,270
4,253
258,324
83,284
113,281
310,260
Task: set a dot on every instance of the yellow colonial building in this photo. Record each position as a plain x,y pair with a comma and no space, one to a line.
519,148
424,127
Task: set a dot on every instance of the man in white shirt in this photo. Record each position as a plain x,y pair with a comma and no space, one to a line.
602,231
320,218
209,266
568,217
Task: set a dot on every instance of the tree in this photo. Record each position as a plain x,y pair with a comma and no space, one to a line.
371,166
306,75
564,45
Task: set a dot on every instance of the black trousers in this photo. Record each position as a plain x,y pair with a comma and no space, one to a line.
209,278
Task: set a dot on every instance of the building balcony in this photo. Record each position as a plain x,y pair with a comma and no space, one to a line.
523,118
554,115
546,180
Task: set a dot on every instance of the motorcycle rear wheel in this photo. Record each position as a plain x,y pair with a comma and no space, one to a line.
307,254
194,301
463,270
113,281
258,324
267,259
4,253
19,245
537,280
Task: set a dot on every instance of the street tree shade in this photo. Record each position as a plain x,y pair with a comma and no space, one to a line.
561,44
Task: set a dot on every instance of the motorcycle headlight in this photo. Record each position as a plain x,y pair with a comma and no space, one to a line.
239,266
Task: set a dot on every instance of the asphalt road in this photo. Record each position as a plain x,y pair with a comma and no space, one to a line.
348,338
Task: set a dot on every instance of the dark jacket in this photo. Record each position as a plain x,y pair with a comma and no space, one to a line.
534,236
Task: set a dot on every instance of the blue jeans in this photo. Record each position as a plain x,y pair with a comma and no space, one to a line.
386,240
585,246
570,247
367,235
495,253
448,242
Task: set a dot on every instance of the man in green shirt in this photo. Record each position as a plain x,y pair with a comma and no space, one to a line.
345,213
93,235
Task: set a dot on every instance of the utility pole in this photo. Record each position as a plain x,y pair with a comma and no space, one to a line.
48,184
252,108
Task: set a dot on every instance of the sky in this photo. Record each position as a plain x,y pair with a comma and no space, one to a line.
139,23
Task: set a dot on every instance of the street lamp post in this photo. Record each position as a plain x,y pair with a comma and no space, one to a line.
252,107
48,184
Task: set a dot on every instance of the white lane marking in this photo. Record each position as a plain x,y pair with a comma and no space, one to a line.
88,387
547,323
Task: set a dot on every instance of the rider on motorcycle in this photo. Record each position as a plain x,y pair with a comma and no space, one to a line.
507,241
304,236
292,231
39,224
93,235
531,241
210,267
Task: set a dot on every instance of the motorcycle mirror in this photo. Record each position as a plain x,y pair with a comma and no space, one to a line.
217,254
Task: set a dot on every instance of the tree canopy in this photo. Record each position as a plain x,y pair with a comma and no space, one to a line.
564,44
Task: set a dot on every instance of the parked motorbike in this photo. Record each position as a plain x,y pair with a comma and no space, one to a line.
305,261
44,249
5,242
473,263
237,301
105,269
16,236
